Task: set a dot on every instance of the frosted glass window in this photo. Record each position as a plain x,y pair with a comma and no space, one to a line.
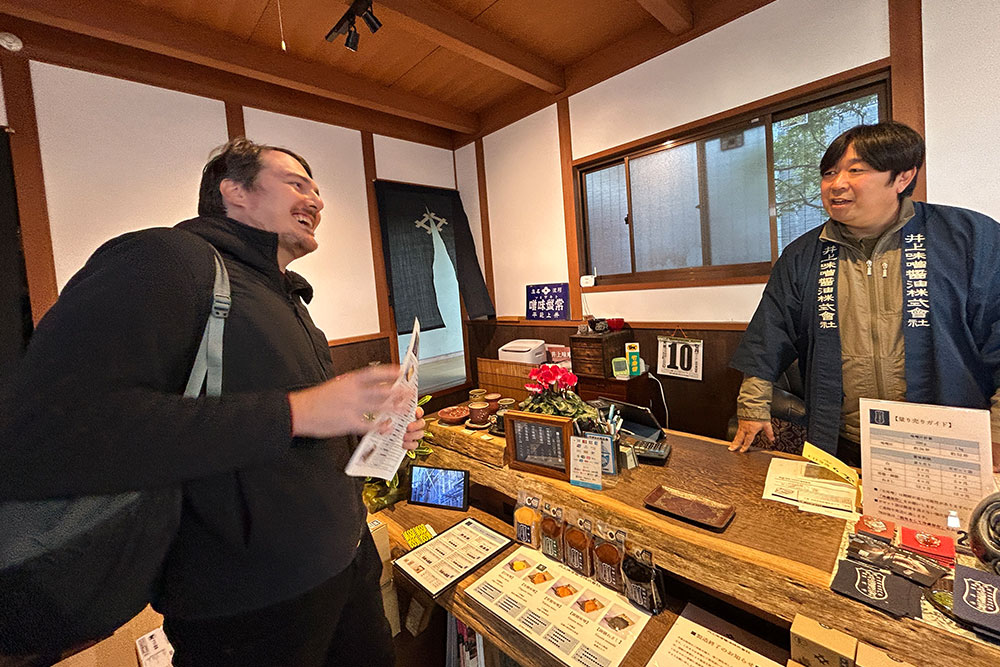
665,212
607,208
736,182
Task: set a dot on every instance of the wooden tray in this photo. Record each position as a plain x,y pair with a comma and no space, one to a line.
690,507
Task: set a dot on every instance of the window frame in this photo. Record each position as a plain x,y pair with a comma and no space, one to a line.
765,114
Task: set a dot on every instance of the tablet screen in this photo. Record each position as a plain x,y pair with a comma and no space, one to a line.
439,487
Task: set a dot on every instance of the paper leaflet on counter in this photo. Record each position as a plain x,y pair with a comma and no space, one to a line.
379,454
809,487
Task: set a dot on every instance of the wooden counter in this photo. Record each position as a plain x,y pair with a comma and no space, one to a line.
773,560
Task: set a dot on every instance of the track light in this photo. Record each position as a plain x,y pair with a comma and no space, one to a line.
352,38
371,20
346,24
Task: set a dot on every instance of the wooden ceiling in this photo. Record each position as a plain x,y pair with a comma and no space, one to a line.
459,68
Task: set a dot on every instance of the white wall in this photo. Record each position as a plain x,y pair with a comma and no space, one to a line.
398,160
961,72
409,162
117,156
468,188
341,270
777,47
527,227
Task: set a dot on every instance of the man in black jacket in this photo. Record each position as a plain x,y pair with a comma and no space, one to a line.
273,563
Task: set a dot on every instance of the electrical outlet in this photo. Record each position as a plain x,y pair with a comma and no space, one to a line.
586,281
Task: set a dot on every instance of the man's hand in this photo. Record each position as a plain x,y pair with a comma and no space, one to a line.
346,404
747,431
414,431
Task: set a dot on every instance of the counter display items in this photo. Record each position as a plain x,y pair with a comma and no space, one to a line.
527,520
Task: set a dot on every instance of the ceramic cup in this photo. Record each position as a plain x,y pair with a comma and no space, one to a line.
494,402
476,394
506,403
479,412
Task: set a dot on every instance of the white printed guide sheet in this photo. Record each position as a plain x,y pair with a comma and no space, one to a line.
443,560
920,462
379,454
574,618
691,644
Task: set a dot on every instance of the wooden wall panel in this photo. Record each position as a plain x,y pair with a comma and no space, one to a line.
358,354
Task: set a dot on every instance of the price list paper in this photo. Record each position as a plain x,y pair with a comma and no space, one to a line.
920,462
437,564
574,618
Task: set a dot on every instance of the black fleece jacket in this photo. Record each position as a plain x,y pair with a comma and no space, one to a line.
96,406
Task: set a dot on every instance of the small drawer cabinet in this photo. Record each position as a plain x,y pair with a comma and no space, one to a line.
592,353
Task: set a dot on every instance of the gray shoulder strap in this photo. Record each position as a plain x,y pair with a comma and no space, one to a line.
207,369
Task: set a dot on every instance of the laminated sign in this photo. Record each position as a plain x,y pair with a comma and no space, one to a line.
679,357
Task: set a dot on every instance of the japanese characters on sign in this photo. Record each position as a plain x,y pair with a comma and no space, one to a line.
547,302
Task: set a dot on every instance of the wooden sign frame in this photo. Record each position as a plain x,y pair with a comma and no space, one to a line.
562,425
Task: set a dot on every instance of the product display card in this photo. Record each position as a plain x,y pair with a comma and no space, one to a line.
574,618
585,465
699,639
920,462
446,559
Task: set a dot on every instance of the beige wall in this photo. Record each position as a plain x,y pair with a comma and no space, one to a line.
961,73
117,156
524,189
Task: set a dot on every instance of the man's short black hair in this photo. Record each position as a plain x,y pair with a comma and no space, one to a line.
238,160
888,146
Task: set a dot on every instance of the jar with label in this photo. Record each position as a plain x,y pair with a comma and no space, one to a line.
577,541
527,520
552,532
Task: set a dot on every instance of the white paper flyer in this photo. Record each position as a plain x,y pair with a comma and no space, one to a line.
577,620
379,454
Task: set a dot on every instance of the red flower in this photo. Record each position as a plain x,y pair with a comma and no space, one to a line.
534,387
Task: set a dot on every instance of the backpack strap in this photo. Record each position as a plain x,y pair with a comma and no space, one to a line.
207,369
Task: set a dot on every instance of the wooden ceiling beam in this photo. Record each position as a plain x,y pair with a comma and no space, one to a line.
441,26
675,15
139,27
69,49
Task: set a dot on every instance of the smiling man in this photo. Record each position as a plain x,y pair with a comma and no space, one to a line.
272,563
888,299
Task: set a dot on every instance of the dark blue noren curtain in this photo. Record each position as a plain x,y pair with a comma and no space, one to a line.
15,309
407,214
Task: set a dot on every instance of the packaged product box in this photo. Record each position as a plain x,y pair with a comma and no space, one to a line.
869,656
818,645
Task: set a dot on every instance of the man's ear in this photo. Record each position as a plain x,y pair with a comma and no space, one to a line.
233,194
903,179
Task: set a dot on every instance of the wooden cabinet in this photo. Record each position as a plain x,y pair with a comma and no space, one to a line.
592,353
635,390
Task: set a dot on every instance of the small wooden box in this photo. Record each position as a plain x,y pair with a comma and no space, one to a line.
592,353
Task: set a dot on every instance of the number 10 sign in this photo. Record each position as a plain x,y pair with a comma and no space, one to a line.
679,357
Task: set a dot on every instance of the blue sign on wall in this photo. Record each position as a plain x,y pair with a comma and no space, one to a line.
548,302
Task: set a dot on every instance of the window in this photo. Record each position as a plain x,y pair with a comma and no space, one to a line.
721,202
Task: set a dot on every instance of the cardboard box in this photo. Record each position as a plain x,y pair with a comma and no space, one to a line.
792,663
380,533
818,645
869,656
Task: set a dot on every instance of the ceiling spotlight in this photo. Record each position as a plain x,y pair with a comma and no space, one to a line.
371,20
352,38
13,43
346,26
